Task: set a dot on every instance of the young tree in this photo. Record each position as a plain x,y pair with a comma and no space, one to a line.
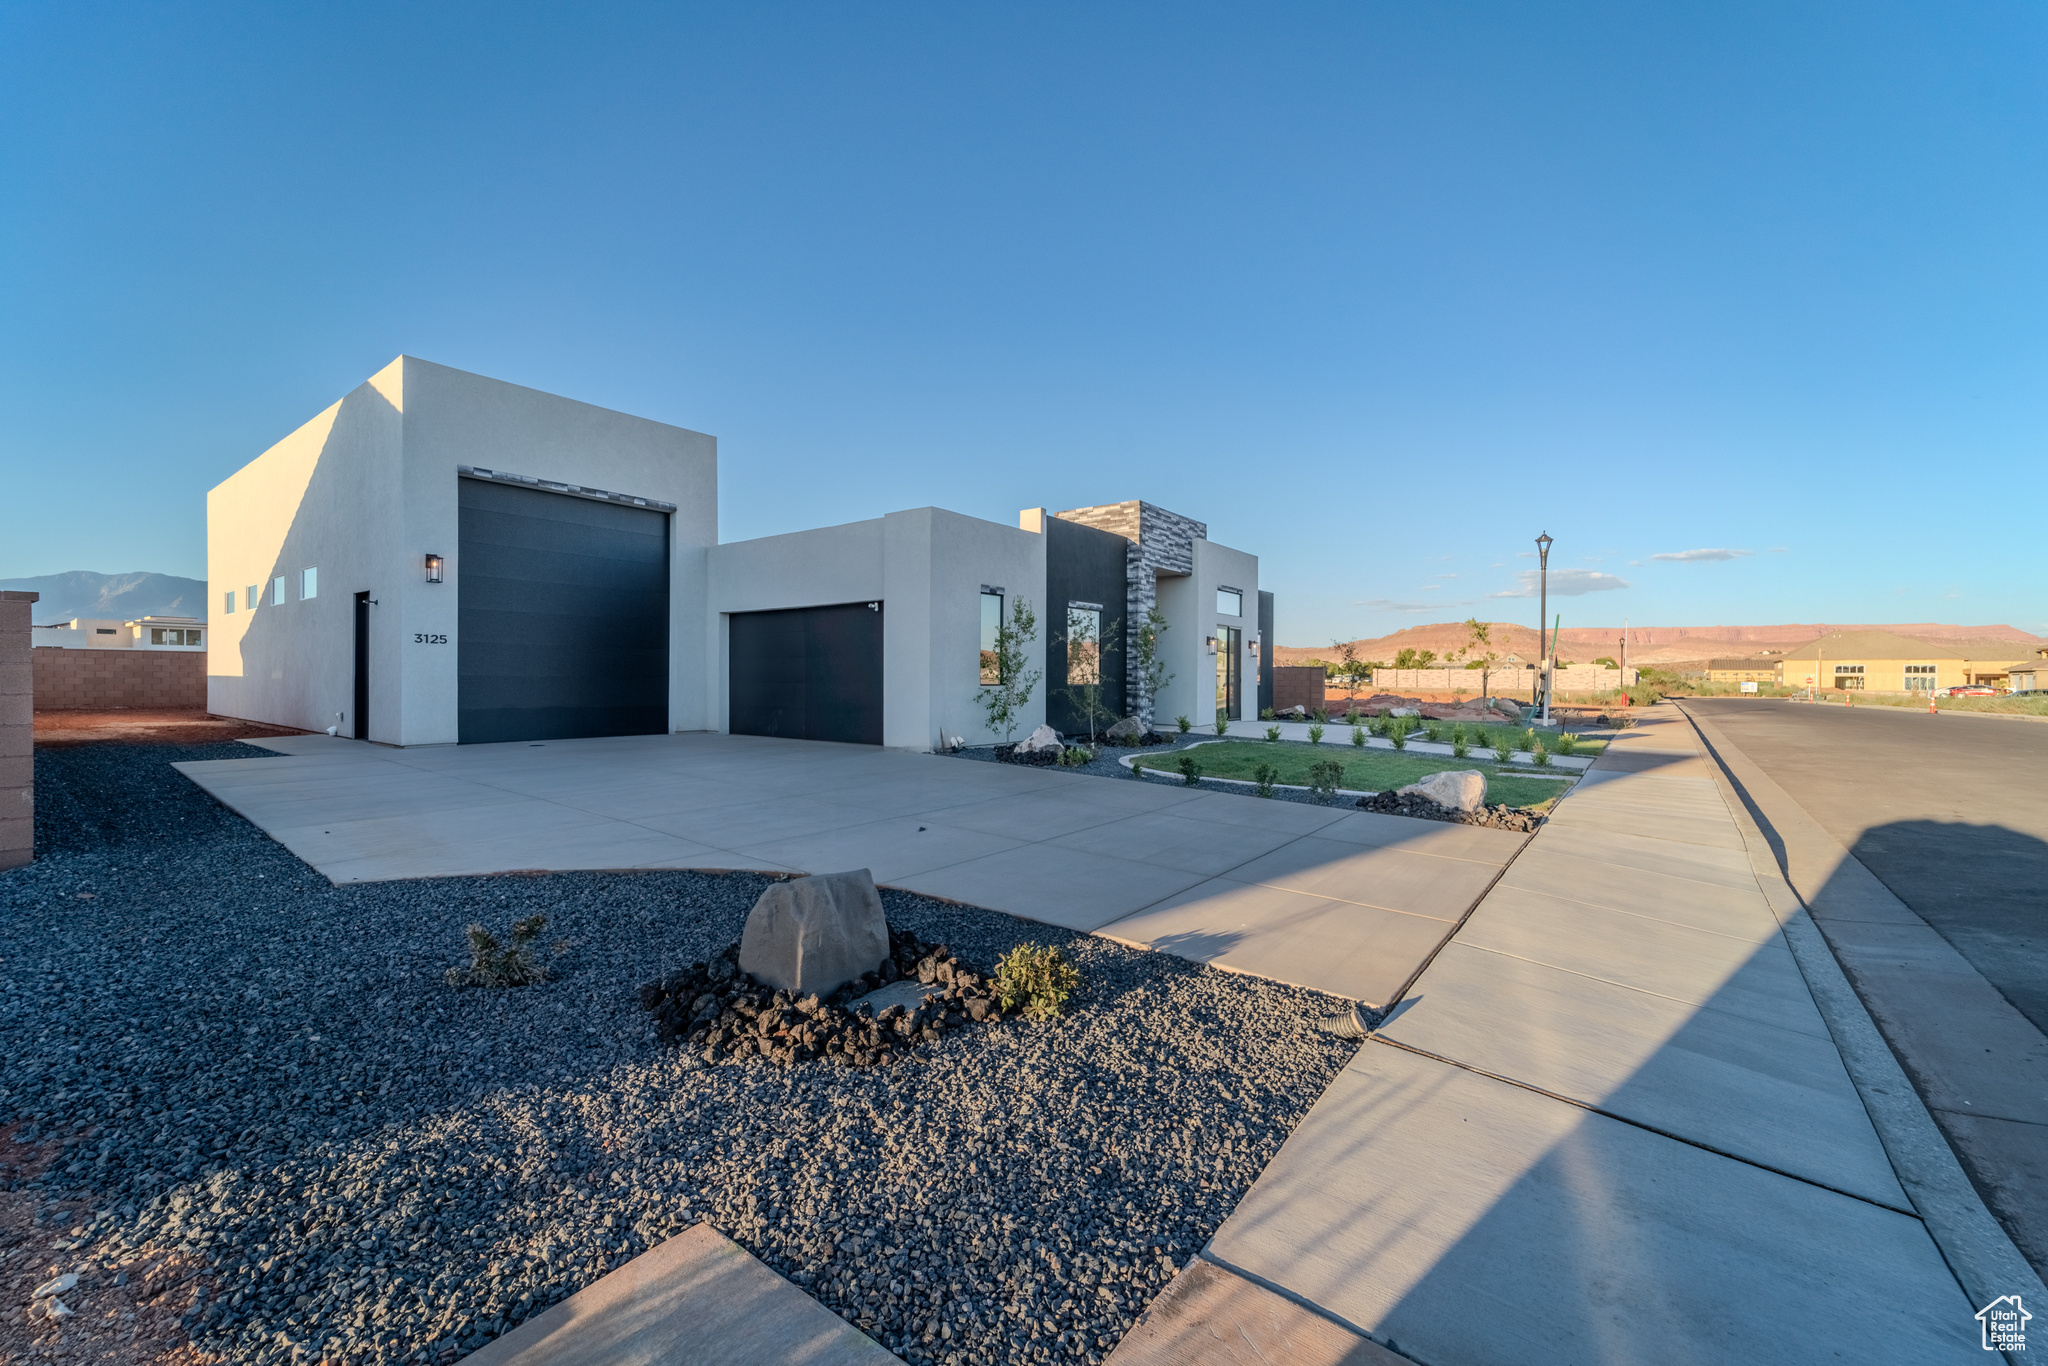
1003,702
1346,667
1087,646
1147,655
1478,651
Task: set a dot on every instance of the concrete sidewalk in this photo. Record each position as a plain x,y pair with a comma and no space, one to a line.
1607,1124
1327,897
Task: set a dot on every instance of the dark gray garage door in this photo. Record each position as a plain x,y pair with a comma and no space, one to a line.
808,673
563,616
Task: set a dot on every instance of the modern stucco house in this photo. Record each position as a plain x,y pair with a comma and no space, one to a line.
444,558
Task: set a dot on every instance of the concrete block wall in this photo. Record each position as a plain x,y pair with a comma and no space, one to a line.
1298,685
96,680
17,732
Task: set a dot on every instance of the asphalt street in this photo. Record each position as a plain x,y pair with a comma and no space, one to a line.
1949,812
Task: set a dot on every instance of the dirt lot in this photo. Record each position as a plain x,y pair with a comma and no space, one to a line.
59,728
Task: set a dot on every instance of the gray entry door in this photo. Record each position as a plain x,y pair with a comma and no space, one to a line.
563,616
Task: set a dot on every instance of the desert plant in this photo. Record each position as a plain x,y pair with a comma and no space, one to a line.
1503,746
1036,980
1540,755
1315,733
1264,776
1358,735
1222,724
1002,703
1324,777
492,964
1184,724
1190,771
1272,733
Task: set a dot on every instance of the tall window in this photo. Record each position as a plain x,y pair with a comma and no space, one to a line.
229,599
1229,603
253,596
991,633
277,591
1920,678
1084,645
309,584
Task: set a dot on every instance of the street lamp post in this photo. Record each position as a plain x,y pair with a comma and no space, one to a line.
1543,544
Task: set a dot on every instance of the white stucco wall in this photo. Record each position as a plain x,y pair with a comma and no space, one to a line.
367,489
926,567
1217,566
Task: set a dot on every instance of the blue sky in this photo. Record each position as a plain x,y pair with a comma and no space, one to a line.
1379,292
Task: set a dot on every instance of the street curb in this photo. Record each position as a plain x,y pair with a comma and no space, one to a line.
1978,1251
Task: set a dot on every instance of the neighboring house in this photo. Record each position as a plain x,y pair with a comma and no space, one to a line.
2025,675
144,633
1753,670
441,557
1879,661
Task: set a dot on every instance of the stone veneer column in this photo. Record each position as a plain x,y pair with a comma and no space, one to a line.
1162,542
17,733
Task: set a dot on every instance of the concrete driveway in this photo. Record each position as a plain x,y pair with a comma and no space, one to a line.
1331,898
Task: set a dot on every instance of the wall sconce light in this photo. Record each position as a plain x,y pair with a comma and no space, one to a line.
1255,647
433,567
1211,642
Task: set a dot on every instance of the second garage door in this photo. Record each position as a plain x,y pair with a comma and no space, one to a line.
808,673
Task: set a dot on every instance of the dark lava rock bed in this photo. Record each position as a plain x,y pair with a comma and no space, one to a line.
228,1057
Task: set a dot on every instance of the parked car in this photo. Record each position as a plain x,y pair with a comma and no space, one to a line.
2030,692
1971,690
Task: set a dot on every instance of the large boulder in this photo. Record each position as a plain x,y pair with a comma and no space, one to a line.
1461,789
1044,740
810,935
1130,728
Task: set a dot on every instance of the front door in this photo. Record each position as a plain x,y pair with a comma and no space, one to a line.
1227,671
362,697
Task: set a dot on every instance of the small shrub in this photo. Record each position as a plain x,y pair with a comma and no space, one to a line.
1351,717
492,964
1382,725
1184,724
1503,746
1460,747
1272,733
1400,733
1434,731
1540,755
1358,735
1325,777
1315,733
1528,739
1036,981
1265,713
1566,743
1222,724
1319,716
1190,771
1265,775
1073,756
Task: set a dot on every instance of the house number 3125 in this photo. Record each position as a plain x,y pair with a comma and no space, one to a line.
421,639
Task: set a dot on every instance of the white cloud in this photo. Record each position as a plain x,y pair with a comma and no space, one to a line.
1387,605
1777,550
1564,583
1700,556
1525,554
1447,576
1635,564
1496,566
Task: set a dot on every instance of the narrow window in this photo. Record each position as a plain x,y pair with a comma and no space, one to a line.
1084,645
309,584
991,638
277,591
1229,603
253,596
229,599
156,636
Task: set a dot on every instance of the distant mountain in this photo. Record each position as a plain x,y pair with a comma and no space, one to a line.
123,597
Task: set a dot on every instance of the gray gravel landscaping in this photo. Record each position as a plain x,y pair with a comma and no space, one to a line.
244,1062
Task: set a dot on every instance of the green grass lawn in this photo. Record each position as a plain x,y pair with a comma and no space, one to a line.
1481,737
1365,770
